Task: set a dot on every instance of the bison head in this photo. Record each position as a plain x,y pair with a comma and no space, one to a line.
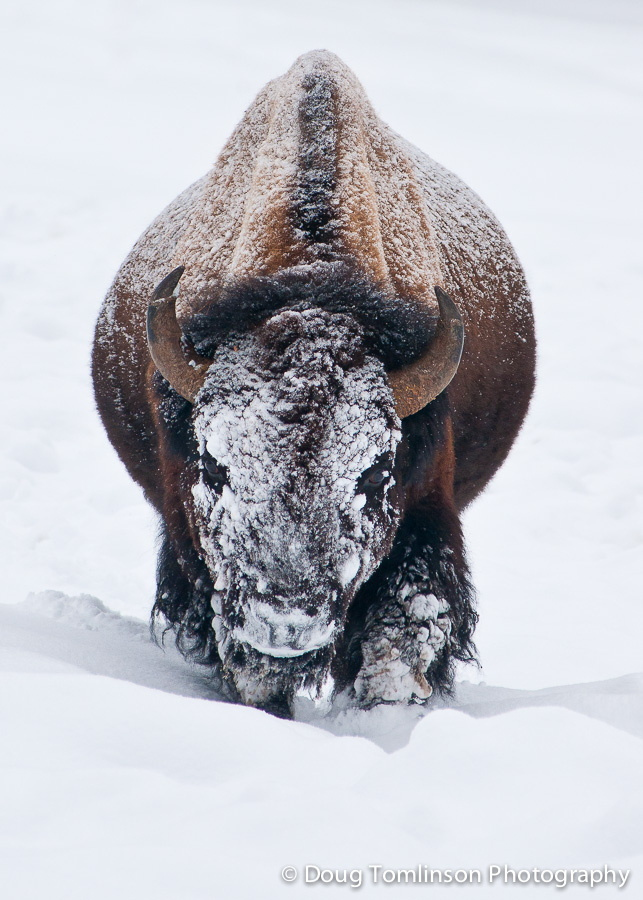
295,498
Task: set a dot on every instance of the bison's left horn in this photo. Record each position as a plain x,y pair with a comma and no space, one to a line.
420,382
164,341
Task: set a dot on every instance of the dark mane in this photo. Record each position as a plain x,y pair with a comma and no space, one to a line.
396,330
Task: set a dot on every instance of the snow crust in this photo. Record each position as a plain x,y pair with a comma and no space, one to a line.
121,772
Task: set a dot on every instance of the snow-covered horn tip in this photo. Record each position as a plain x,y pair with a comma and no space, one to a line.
164,341
420,382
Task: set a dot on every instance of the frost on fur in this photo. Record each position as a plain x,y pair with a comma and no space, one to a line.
293,422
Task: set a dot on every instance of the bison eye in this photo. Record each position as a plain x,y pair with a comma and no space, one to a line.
375,477
217,474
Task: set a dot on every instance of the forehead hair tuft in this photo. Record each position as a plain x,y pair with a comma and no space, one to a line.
396,330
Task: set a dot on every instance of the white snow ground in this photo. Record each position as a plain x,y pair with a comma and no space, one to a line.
121,775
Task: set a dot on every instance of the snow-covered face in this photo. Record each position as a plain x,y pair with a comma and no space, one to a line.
296,502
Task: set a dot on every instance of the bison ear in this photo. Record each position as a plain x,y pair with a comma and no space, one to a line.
420,382
164,341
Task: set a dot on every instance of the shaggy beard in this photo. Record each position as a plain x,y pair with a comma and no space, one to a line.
268,682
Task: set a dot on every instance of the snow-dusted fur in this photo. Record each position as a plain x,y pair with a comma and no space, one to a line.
297,420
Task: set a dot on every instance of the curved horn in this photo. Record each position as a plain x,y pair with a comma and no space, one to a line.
164,341
420,382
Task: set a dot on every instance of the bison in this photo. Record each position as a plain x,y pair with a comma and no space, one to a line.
311,362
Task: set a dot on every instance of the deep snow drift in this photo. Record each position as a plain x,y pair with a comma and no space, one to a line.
121,773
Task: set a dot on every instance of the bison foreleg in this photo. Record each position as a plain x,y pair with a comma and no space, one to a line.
404,639
420,620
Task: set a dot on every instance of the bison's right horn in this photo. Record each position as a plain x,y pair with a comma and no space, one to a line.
420,382
164,341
